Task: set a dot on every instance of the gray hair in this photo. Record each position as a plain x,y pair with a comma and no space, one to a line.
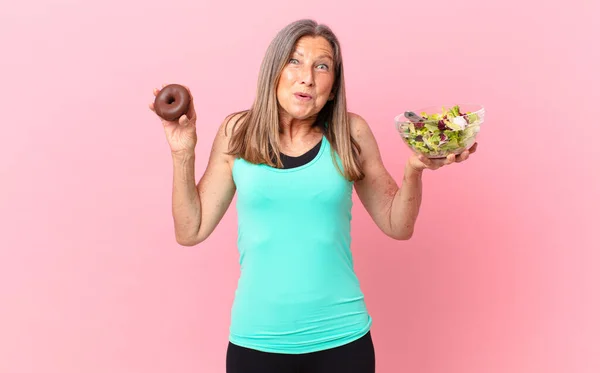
257,139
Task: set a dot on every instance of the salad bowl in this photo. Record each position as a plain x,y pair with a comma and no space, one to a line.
438,131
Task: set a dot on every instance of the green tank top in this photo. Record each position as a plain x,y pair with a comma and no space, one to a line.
297,290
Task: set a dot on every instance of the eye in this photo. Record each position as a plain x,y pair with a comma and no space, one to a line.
294,61
323,66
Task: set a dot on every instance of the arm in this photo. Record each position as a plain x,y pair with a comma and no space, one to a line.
393,209
197,209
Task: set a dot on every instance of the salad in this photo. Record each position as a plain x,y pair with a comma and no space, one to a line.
438,134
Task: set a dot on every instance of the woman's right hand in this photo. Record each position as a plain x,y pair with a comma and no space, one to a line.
181,134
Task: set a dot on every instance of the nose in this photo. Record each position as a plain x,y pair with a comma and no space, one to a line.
306,75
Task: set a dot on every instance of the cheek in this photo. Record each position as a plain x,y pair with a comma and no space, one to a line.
280,83
326,87
287,77
285,81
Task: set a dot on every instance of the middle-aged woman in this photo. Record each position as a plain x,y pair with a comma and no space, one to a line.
294,159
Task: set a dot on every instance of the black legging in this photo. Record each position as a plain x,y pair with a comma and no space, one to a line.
355,357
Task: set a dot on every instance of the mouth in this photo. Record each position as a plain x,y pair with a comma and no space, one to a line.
302,96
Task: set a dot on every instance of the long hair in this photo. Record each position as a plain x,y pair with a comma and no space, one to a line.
257,138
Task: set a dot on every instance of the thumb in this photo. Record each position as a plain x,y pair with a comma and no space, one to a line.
424,160
184,120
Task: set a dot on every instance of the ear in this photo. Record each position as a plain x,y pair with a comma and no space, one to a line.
331,96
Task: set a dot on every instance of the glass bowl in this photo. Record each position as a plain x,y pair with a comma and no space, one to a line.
437,131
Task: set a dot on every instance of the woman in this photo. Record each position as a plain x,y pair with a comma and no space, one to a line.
294,158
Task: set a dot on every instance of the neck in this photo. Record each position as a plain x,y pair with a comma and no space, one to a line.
292,128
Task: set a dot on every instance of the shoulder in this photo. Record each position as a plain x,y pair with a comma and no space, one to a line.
229,127
231,124
359,128
361,132
222,142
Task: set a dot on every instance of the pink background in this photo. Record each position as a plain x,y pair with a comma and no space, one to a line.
501,275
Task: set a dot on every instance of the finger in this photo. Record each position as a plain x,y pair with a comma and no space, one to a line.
463,156
423,159
191,112
151,106
442,162
184,120
473,148
435,165
451,158
155,91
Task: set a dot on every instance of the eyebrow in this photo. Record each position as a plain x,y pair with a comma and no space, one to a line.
327,55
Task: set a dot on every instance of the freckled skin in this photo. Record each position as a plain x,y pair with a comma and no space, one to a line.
391,190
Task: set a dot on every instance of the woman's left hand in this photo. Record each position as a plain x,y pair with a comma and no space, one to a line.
420,162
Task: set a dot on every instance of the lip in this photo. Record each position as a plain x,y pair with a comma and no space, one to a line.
302,96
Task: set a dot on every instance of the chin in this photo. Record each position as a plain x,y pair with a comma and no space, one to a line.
303,116
295,113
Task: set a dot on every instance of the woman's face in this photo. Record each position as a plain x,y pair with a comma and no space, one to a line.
307,79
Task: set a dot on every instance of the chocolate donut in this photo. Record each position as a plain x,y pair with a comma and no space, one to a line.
172,102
